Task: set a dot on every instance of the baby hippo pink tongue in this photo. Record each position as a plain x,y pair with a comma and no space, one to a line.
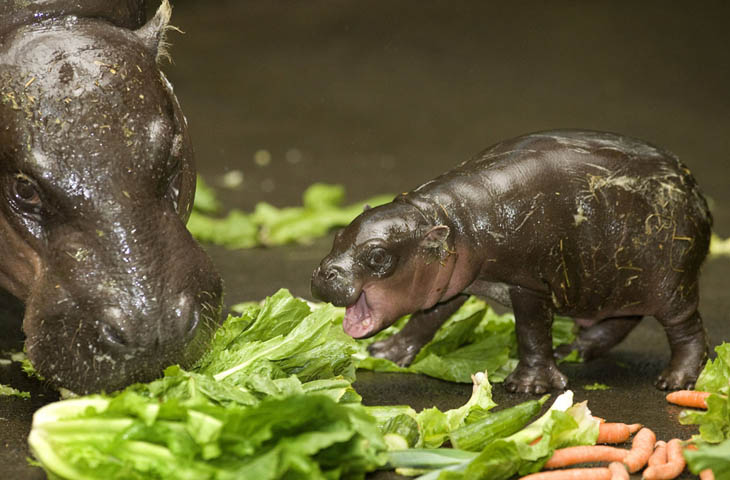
358,322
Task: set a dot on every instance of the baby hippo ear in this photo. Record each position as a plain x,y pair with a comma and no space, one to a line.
436,237
366,207
153,32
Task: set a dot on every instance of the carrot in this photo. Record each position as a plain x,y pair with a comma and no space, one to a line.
635,427
613,433
674,466
564,457
597,473
707,474
659,457
689,398
641,449
618,471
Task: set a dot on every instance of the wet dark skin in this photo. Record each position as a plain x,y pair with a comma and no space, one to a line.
596,226
96,183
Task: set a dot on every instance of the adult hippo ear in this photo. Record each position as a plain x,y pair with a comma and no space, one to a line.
153,32
181,190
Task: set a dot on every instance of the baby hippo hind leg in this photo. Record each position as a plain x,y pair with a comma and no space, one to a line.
536,371
402,347
598,339
688,344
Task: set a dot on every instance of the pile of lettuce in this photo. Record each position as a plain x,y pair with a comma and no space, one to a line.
473,339
273,398
713,440
322,210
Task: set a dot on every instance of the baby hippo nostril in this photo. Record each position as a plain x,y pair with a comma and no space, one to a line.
332,273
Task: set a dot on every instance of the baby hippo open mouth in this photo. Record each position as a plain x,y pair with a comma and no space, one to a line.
358,322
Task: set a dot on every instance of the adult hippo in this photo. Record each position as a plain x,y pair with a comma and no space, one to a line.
97,181
596,226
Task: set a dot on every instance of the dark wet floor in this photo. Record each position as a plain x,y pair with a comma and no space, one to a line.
381,96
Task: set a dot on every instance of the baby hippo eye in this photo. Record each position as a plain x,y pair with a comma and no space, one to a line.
379,260
25,194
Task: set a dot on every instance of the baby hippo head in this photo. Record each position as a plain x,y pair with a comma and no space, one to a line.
96,182
389,262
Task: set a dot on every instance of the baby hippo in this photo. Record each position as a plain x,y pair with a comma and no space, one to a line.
596,226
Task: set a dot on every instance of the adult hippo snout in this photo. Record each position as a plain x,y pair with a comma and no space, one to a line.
96,183
113,309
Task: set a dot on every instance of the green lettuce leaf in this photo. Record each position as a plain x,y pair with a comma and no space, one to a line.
135,436
714,457
564,424
715,377
430,427
719,246
473,339
321,211
7,390
714,424
205,199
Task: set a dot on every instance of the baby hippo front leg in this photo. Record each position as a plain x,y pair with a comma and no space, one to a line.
402,347
536,371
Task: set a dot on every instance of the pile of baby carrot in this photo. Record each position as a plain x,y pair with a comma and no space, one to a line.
663,460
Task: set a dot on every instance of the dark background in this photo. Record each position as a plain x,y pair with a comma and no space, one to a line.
381,96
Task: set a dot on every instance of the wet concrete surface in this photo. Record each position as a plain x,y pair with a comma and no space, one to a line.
381,96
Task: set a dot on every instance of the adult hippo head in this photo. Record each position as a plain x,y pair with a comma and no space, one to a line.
96,182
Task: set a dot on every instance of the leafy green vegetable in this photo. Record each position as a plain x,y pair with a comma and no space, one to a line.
6,390
596,386
476,435
205,199
714,457
272,399
236,230
715,377
322,210
714,424
719,246
564,424
473,339
432,426
138,435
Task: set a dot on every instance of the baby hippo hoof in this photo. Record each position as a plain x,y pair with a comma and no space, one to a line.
395,350
535,379
677,379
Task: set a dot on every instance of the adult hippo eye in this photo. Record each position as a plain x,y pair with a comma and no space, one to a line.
379,260
24,194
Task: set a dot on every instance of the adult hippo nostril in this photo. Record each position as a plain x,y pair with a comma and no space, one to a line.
113,335
187,315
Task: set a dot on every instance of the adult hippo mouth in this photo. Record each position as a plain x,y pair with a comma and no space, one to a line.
358,321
